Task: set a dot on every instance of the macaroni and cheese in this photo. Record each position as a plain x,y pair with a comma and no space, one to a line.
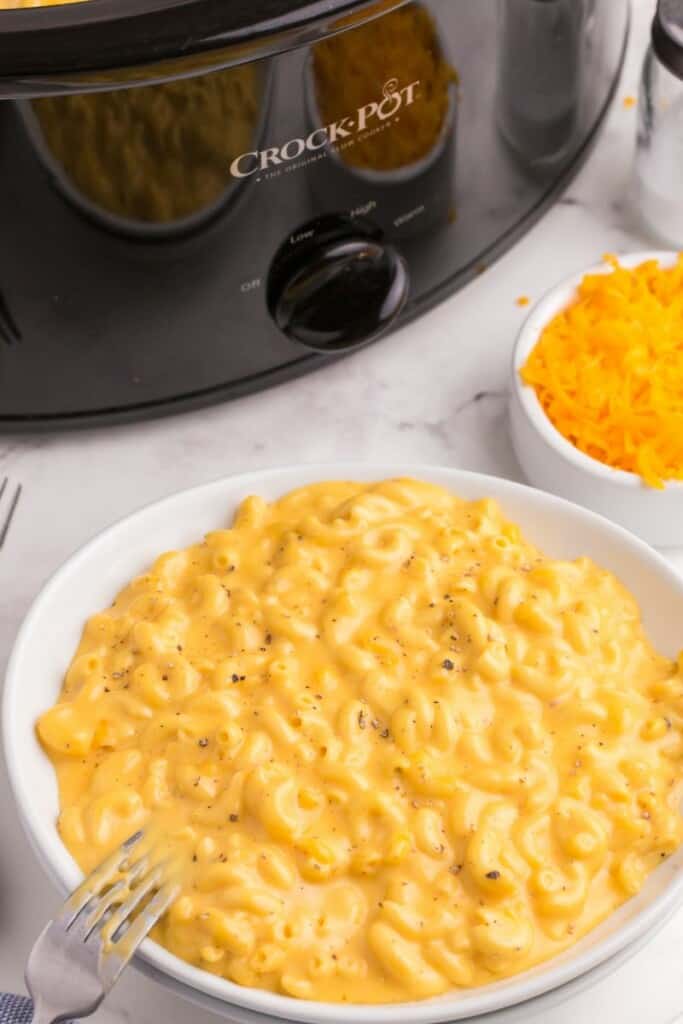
400,749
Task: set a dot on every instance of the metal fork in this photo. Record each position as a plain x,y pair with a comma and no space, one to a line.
81,953
5,524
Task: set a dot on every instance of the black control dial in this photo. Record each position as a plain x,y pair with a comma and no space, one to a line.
336,284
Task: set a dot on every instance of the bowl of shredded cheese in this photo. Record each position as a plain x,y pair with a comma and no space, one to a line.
597,393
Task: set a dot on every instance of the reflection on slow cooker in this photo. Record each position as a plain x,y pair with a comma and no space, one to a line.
404,41
156,155
539,75
390,88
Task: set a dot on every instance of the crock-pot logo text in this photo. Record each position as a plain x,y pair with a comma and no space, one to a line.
394,98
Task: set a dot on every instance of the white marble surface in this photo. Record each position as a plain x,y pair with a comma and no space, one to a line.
434,392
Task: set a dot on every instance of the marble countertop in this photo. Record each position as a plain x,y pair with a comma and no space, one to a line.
420,394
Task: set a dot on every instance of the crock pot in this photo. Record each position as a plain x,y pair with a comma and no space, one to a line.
199,198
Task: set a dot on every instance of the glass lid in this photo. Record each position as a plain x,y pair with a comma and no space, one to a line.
41,39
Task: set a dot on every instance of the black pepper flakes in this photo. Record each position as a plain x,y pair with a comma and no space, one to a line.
493,875
234,817
447,664
203,742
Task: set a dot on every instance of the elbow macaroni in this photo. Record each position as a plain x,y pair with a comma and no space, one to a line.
401,750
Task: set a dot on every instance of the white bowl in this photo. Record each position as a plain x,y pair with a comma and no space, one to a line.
89,580
553,463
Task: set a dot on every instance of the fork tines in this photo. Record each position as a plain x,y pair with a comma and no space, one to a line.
97,932
118,904
9,510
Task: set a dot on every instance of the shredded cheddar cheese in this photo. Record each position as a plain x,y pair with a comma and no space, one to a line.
608,370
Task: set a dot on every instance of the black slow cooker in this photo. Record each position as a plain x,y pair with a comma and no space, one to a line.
199,198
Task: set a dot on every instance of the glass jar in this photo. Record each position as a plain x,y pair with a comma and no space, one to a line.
659,154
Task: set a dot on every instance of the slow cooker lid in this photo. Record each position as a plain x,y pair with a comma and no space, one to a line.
100,35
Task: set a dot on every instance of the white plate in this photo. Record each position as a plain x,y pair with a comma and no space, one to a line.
552,462
88,582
